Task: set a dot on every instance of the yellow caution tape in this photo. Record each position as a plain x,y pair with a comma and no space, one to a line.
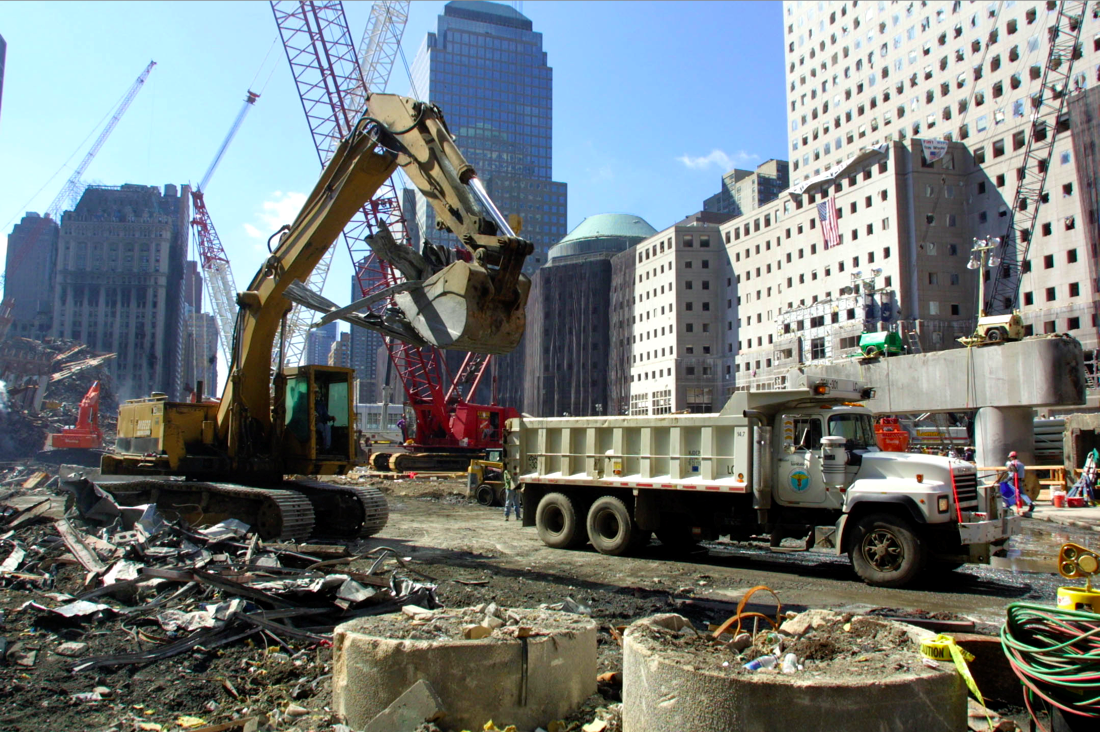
944,648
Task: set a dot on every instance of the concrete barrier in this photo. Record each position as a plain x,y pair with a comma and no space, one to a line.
661,695
527,682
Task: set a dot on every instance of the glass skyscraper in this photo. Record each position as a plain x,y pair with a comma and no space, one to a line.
485,67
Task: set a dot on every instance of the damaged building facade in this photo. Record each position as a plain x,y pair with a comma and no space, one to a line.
29,275
120,282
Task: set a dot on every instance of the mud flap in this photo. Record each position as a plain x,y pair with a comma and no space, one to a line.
458,308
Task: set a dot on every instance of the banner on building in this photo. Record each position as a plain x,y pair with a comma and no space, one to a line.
933,149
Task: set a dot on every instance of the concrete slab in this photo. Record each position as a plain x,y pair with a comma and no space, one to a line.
416,706
1078,518
1035,372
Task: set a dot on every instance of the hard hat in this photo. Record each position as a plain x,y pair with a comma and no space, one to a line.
1012,454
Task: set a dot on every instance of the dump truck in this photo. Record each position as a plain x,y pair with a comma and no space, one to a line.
793,464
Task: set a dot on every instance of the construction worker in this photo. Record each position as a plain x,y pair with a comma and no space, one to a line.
401,425
511,495
1016,479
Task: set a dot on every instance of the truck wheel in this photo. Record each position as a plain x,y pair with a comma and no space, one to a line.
885,551
996,335
610,528
486,496
557,522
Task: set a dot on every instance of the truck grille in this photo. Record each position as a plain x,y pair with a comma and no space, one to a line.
966,488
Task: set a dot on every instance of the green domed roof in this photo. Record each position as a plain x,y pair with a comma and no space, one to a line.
600,236
618,225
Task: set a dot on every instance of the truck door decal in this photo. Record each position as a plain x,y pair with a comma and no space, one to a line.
693,462
799,480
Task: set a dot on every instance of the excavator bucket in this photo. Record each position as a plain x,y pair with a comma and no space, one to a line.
458,308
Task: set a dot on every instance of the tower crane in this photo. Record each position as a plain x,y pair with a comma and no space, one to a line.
70,193
215,263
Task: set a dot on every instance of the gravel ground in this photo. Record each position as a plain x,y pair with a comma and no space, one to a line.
458,543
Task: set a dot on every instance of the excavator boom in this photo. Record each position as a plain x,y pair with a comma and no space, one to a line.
298,421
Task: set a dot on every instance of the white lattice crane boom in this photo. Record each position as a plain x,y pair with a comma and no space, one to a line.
215,263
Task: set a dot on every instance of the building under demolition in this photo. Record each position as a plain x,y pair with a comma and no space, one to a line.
120,282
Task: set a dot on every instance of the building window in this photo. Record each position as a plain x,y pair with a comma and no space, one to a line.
1050,293
1074,289
1073,324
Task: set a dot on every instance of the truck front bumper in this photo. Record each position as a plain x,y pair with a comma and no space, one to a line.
987,532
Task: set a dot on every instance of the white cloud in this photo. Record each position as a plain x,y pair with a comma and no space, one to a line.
720,159
279,209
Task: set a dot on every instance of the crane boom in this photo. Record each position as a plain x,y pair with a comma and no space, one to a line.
215,263
249,102
70,192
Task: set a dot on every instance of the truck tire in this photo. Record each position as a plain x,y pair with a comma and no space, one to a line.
996,335
486,495
610,528
557,522
885,551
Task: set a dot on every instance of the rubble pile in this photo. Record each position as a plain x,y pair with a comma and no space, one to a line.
21,434
65,369
96,594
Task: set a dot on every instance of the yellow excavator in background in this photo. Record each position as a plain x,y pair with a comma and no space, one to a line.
211,460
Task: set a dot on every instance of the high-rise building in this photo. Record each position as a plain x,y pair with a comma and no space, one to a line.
119,284
667,332
319,342
485,67
882,73
568,318
364,346
744,191
200,354
192,286
30,282
340,352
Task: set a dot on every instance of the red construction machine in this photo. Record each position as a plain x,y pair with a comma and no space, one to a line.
86,435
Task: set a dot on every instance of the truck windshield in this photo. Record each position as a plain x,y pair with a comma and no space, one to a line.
858,430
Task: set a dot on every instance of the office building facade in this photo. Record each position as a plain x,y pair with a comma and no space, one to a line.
485,67
744,191
667,321
30,274
568,341
120,281
860,75
319,342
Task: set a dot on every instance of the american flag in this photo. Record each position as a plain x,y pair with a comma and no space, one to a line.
830,227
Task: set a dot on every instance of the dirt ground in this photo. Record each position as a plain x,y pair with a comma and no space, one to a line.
477,558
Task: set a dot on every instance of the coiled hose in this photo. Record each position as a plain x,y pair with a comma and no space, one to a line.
1056,654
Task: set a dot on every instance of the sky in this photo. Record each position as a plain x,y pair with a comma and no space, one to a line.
653,101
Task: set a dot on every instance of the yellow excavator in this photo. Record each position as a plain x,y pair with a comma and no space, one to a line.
211,460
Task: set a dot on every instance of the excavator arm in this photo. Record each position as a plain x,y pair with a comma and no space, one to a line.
473,306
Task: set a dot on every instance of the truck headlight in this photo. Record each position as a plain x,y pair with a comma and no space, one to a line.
941,504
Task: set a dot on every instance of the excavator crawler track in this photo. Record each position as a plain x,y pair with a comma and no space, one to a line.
343,512
275,514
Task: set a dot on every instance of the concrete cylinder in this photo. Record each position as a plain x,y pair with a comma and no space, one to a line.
527,682
661,694
1000,430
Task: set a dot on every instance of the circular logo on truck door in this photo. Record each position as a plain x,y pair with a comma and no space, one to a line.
800,480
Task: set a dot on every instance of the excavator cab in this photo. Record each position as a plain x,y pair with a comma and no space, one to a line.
319,436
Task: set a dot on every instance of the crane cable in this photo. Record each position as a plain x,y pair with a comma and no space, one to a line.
1056,655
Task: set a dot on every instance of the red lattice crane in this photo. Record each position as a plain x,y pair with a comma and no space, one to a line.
332,83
